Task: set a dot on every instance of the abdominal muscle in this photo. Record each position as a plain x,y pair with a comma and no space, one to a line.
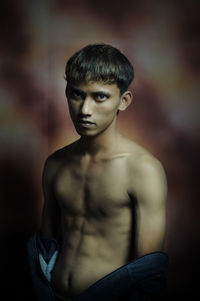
87,258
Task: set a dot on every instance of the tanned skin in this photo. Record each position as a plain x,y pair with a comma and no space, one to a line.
104,194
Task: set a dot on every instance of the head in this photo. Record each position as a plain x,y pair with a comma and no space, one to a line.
100,63
98,77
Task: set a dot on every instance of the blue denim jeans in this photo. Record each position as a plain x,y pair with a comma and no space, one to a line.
142,279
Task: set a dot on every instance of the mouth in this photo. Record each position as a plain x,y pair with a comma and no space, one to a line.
85,123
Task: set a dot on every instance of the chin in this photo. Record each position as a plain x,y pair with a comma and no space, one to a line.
88,133
85,133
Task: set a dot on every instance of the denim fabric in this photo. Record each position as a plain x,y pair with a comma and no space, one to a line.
143,279
138,280
41,285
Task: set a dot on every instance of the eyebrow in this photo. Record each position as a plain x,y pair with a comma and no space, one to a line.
73,89
101,93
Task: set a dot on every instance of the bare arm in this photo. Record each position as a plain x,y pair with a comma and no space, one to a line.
151,194
50,225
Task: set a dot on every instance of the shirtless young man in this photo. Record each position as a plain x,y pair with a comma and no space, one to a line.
104,194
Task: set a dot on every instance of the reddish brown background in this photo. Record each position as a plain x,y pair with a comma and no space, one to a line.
161,38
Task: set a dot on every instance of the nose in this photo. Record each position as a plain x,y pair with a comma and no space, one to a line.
86,108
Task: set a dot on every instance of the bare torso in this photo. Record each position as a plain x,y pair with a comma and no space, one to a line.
98,216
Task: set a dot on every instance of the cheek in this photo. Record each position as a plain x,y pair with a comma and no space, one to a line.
107,109
73,107
73,113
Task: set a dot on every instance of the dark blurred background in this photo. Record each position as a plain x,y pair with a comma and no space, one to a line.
161,39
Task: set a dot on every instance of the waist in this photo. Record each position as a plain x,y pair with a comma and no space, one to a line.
151,267
70,278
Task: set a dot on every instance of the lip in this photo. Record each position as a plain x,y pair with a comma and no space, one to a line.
85,123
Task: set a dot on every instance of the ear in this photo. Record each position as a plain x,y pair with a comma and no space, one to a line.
67,89
126,100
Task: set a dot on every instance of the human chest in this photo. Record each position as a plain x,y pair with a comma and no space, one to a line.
98,189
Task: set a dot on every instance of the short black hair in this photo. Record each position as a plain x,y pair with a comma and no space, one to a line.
100,62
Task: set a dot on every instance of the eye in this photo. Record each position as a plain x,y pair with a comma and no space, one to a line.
76,94
100,97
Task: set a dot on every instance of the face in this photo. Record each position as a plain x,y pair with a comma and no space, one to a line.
93,106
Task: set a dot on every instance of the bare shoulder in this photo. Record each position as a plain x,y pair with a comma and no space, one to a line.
141,161
147,174
57,159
